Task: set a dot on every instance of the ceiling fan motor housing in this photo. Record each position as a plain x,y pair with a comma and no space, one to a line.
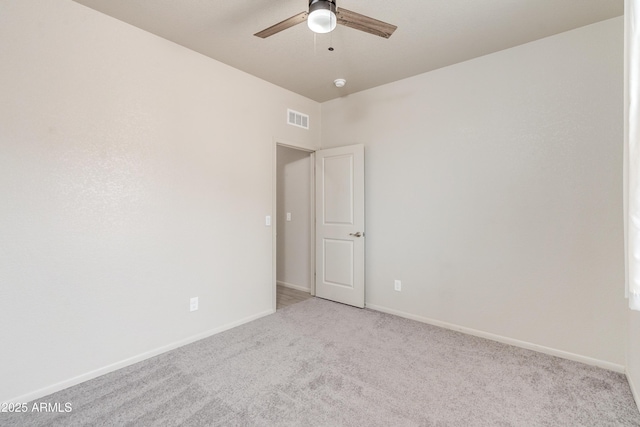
322,16
322,4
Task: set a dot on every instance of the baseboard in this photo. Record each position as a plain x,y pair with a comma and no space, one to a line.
292,286
45,391
505,340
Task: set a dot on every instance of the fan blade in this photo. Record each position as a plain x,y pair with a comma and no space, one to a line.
280,26
364,23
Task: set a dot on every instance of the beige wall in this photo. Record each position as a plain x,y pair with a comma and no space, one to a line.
294,239
134,174
493,191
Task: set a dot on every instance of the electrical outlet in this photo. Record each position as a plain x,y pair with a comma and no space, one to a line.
193,304
288,216
397,285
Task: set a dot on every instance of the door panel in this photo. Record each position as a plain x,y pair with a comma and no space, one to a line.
340,224
338,262
338,190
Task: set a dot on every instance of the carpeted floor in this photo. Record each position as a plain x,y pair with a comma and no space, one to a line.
319,363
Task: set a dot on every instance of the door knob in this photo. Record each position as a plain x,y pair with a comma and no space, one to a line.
356,234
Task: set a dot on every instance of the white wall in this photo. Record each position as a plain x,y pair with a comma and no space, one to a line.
633,354
493,191
633,336
134,174
294,184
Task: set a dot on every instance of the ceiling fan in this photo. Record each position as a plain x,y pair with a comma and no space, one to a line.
322,17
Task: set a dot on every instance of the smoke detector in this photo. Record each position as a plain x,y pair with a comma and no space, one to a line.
339,82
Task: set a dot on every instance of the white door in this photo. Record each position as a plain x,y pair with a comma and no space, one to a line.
340,224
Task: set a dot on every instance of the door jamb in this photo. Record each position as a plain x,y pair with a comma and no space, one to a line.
274,221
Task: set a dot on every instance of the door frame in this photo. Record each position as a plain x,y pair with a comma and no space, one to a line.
274,219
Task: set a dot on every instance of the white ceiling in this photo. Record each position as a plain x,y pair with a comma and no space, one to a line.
431,34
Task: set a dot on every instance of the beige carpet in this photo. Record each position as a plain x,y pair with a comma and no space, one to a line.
319,363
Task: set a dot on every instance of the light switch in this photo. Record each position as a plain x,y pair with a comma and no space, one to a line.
267,220
288,216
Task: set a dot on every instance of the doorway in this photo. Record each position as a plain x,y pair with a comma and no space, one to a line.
293,221
318,206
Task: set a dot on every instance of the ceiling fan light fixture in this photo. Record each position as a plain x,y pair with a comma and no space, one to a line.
322,16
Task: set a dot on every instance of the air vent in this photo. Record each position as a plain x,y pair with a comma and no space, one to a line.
297,119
